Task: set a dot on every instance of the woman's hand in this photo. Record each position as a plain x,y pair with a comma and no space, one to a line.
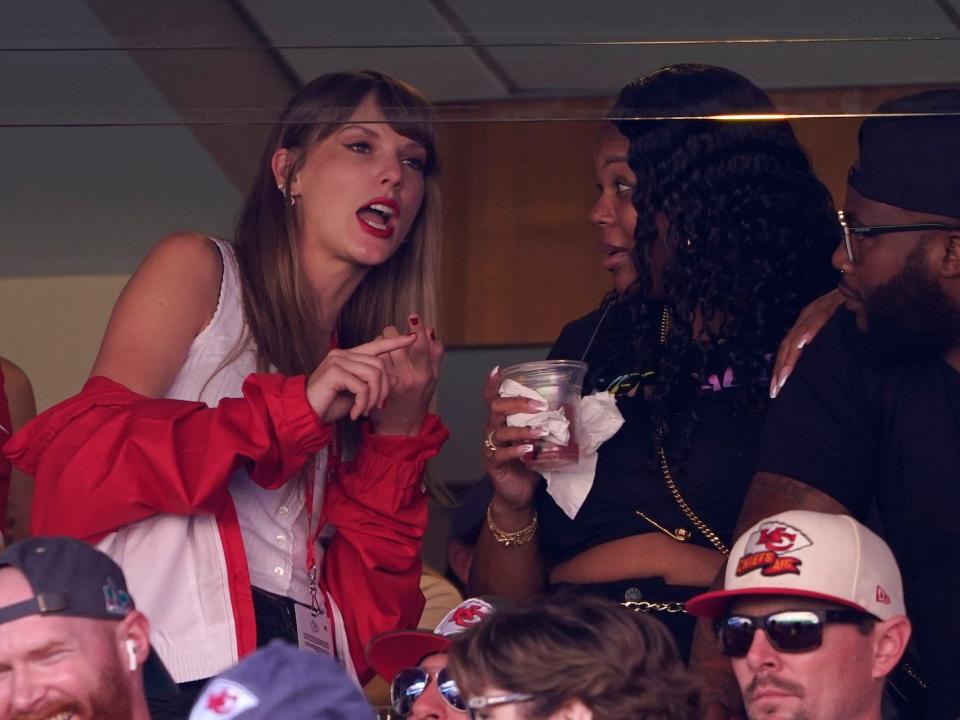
811,321
354,381
414,370
513,483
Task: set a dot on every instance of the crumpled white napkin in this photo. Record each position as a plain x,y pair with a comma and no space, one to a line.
599,420
553,421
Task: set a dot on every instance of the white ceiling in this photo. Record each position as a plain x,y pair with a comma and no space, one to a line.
81,199
90,200
464,50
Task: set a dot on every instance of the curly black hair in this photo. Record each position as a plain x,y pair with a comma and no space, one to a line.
750,234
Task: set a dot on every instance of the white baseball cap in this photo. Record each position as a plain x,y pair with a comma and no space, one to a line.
813,555
393,651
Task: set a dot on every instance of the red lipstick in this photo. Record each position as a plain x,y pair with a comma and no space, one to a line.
378,217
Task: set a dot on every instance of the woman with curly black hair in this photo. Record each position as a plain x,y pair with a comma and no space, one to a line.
732,238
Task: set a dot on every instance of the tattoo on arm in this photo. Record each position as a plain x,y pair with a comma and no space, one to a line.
770,494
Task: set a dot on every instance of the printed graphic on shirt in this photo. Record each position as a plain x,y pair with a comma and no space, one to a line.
223,700
627,384
768,547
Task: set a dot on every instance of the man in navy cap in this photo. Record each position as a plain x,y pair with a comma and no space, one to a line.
72,644
282,681
871,414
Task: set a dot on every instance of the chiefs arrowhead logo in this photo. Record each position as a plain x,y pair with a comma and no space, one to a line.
882,597
223,700
767,549
465,615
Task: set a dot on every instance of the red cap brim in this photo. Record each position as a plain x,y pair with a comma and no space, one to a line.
714,604
391,652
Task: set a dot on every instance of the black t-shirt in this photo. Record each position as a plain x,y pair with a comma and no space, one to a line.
866,430
712,474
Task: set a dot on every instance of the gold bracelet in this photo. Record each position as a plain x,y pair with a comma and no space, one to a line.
511,539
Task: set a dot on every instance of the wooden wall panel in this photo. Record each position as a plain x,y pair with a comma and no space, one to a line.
520,257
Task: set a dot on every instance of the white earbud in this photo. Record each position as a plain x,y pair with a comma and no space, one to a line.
132,654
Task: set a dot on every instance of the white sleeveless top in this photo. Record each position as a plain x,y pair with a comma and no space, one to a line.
273,522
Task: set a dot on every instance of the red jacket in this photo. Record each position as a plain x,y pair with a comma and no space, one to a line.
6,429
109,458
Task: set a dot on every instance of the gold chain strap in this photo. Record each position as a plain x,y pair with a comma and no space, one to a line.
908,669
643,606
687,510
664,325
665,466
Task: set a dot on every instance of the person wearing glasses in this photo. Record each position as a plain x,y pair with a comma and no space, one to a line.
812,616
414,662
572,657
871,414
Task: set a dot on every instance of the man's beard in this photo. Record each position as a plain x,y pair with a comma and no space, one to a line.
109,701
910,316
758,710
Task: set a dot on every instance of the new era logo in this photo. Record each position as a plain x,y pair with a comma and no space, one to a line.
882,596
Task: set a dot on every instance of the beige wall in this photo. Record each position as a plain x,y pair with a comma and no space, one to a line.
51,327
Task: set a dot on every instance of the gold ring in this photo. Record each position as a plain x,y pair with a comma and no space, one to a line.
489,443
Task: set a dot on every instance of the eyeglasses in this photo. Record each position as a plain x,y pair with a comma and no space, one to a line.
788,631
476,704
409,684
850,231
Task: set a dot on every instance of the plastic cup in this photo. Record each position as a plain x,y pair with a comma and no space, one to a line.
560,383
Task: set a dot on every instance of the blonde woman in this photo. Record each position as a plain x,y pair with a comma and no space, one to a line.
251,443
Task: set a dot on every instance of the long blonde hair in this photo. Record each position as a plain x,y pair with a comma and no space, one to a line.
279,310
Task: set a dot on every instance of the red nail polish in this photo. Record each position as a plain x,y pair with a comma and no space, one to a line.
432,335
414,320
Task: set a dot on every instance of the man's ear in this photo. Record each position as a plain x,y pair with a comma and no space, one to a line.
950,264
890,642
459,559
134,628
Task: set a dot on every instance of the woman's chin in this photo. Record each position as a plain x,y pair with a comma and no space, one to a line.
372,254
623,279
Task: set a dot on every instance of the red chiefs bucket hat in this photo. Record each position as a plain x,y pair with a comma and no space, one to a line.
813,555
391,652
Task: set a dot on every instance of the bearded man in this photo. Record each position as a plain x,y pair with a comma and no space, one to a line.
871,415
72,644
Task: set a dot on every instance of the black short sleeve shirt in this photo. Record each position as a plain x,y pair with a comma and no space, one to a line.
712,473
863,430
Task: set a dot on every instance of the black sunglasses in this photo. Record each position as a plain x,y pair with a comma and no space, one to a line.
409,684
789,631
851,231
